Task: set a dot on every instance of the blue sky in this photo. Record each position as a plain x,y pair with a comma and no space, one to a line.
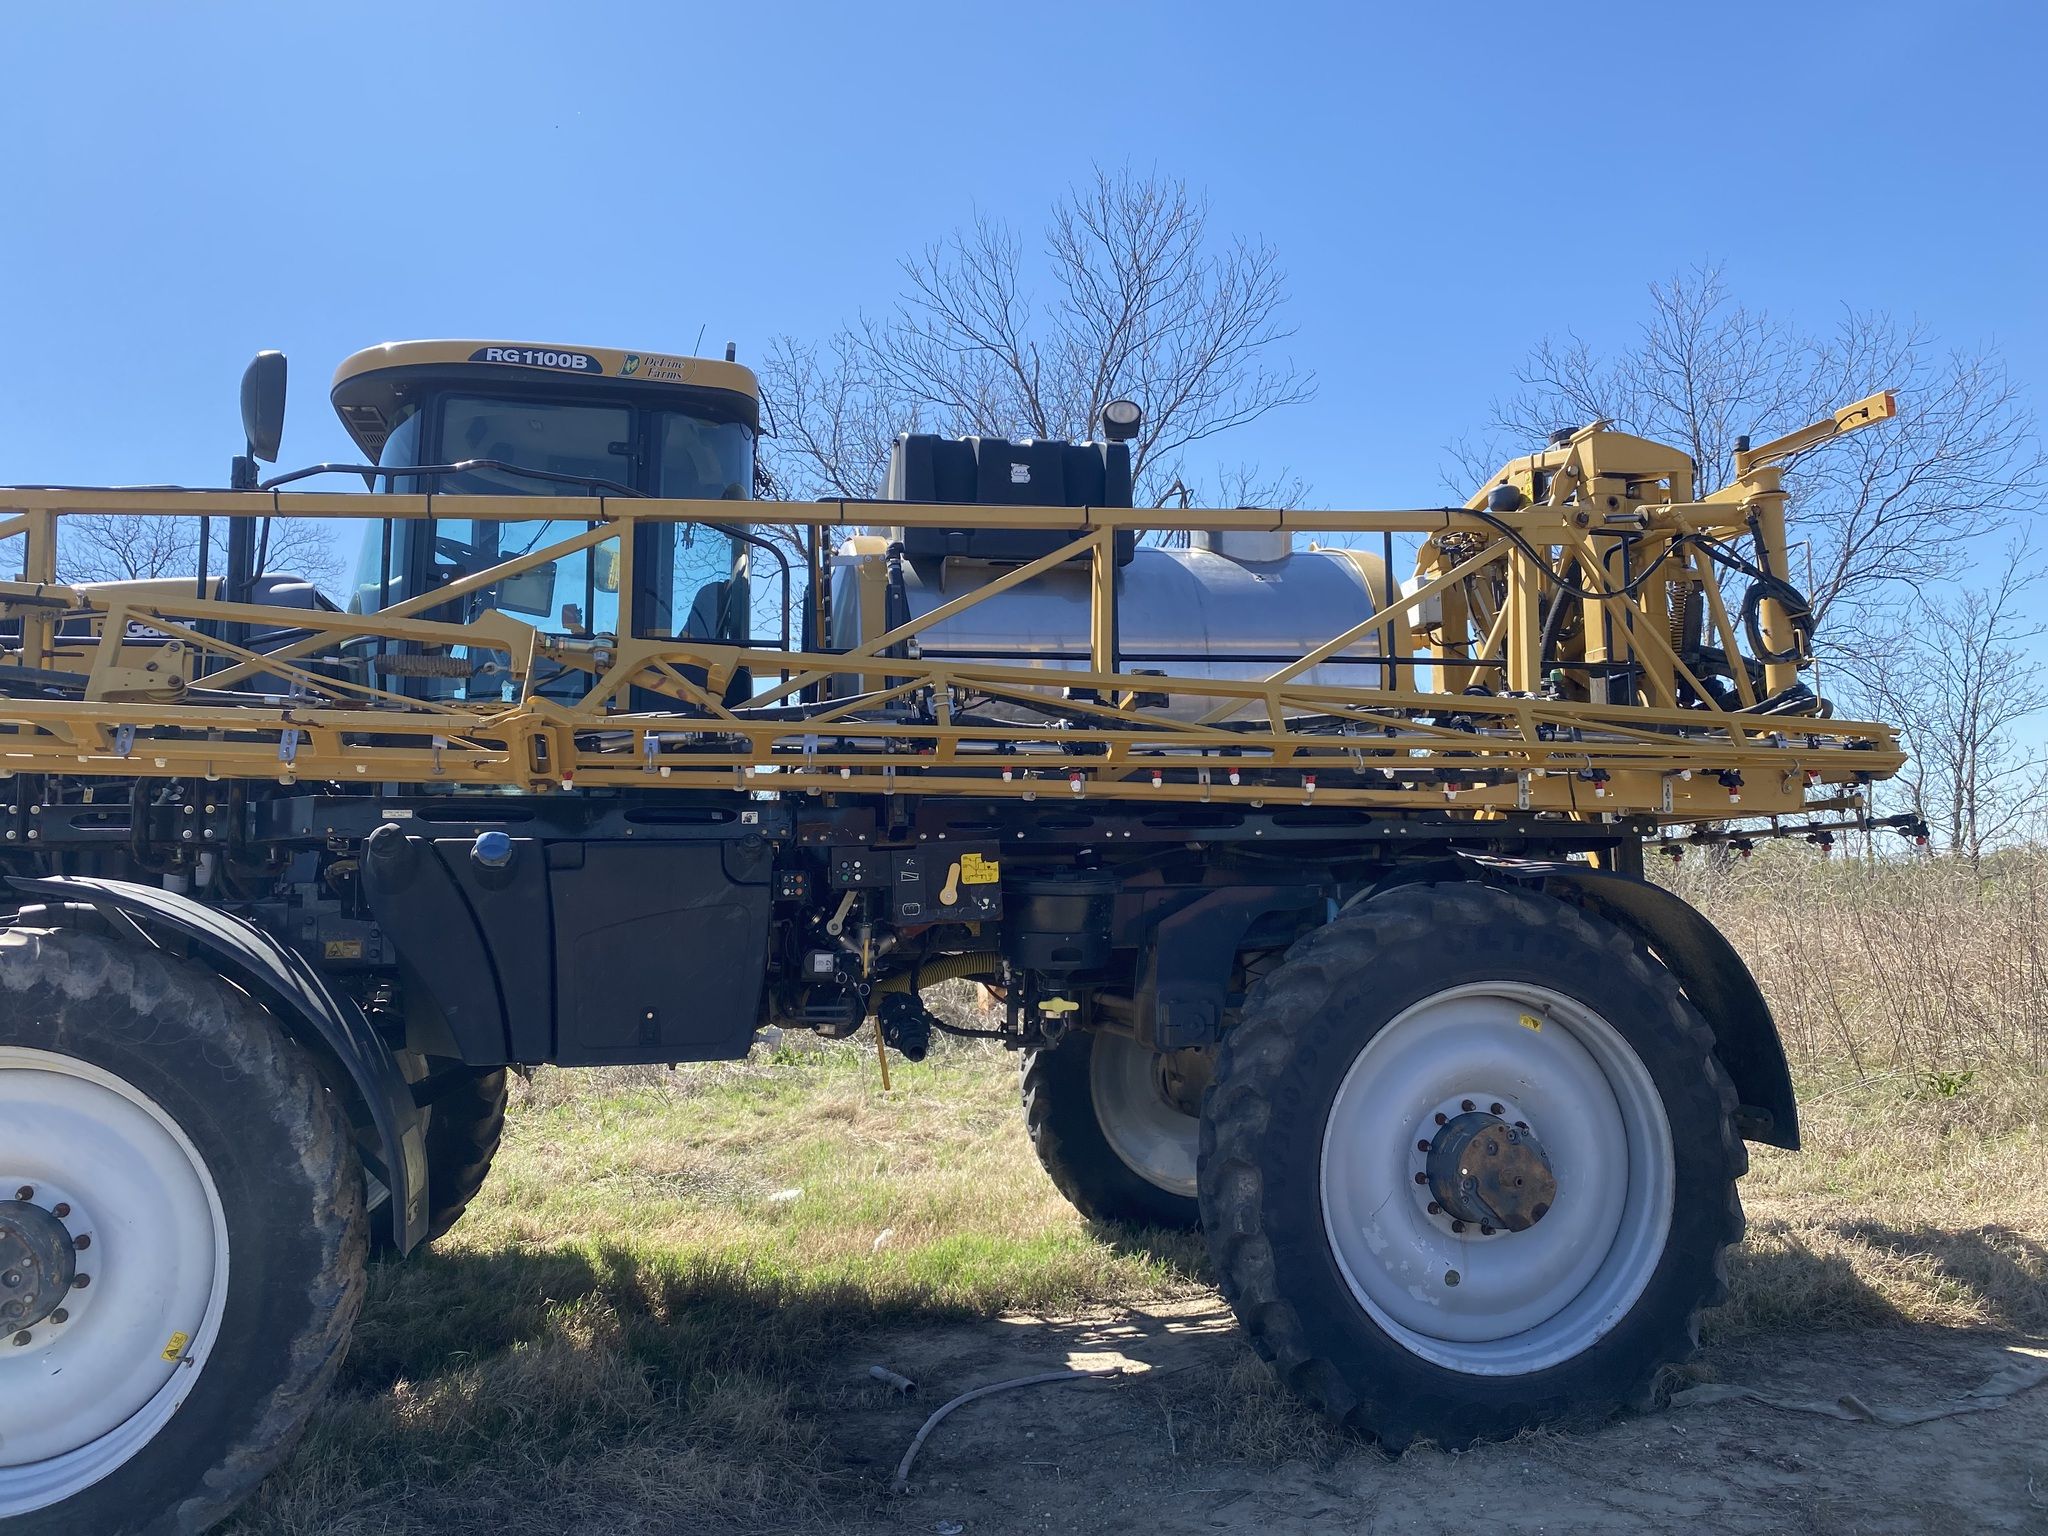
185,184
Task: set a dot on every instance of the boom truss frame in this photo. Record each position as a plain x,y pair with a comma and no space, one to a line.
1476,707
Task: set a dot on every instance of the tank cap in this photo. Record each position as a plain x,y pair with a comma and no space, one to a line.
493,850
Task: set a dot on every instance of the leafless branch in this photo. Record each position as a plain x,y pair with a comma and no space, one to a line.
1960,672
103,547
1138,302
1884,510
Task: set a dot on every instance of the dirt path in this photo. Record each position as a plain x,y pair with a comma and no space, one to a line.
1145,1455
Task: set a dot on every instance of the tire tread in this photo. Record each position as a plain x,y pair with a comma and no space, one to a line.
1236,1114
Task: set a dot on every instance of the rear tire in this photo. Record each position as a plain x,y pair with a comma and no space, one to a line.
464,1125
1351,1058
168,1123
1110,1140
464,1128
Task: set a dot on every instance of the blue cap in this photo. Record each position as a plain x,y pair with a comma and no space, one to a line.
493,850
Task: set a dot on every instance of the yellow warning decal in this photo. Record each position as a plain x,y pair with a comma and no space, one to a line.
1530,1021
176,1348
975,869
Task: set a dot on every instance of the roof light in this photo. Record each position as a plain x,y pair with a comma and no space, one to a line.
1121,420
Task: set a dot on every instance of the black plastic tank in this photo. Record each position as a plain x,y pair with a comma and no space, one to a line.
1059,923
995,472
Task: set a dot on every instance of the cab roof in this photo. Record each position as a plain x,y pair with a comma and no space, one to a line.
372,386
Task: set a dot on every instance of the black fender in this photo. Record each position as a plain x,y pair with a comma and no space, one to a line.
304,1005
1188,952
1712,974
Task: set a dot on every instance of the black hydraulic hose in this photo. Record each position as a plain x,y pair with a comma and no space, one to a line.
1766,587
1553,622
1797,615
138,829
896,600
1570,586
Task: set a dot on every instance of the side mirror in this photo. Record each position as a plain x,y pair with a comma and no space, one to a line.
263,405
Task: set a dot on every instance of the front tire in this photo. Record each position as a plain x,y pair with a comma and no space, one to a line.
200,1180
1330,1144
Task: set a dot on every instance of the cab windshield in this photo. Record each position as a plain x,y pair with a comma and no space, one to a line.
691,578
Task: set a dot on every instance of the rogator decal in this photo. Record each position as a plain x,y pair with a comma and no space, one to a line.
540,357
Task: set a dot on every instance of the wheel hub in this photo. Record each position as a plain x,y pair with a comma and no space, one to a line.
38,1266
1485,1171
1183,1076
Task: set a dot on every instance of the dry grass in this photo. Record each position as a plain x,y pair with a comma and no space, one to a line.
1918,965
1913,997
1907,1204
629,1332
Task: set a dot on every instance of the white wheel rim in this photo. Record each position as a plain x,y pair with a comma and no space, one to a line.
82,1398
1507,1303
1151,1136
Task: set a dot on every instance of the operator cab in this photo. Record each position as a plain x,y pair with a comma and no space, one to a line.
499,419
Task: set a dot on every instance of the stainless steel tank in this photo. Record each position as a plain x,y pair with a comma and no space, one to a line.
1239,607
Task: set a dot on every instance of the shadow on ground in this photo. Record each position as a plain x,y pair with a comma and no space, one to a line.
1791,1277
516,1391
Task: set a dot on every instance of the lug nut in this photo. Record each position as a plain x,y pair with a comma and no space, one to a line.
1457,1226
1435,1209
1452,1277
1422,1178
22,1338
1496,1109
82,1281
82,1242
1466,1106
1521,1125
61,1209
60,1316
1422,1146
26,1192
1443,1119
1485,1230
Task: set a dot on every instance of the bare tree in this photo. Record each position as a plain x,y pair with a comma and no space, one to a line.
104,547
1130,296
1960,673
1890,518
1883,510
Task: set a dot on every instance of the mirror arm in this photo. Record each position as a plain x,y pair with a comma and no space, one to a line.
781,560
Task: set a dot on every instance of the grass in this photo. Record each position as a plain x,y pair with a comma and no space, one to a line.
635,1312
1921,965
643,1323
